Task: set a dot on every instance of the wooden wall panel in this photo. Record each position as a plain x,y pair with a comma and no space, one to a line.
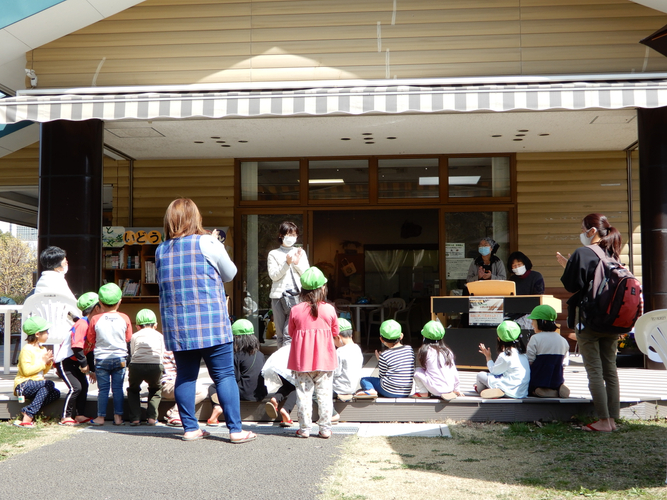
20,168
224,41
117,173
210,183
557,190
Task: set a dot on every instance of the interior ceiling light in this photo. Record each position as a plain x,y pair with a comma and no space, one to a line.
429,181
464,180
326,181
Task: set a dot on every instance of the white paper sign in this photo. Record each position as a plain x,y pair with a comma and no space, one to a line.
457,269
455,250
486,310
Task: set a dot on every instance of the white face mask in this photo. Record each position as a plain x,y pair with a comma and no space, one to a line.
519,271
586,240
288,241
65,269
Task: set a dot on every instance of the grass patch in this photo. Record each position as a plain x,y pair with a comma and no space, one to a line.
549,461
14,440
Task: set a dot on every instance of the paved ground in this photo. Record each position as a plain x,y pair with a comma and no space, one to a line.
129,463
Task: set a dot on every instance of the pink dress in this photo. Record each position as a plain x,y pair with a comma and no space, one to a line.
312,338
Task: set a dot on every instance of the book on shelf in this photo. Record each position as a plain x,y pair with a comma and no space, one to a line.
149,272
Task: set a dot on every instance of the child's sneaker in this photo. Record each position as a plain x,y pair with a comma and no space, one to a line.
448,396
492,394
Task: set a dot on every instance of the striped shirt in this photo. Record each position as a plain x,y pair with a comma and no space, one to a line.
169,364
397,368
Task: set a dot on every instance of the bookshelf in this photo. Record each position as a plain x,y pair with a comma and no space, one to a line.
132,268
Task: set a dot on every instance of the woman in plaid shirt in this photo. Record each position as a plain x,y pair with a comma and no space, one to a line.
192,267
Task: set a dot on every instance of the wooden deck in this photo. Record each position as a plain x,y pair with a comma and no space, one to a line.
643,395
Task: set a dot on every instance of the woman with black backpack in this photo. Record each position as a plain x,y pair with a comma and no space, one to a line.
598,349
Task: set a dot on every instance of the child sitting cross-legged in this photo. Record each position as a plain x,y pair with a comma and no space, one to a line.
34,362
547,353
438,374
396,365
510,373
146,348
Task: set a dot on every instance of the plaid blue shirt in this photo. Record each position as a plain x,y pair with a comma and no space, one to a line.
192,297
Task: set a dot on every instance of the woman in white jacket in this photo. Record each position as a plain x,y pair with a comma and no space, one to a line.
285,265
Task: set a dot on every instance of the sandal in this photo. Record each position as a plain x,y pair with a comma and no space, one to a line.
286,423
302,434
249,436
448,396
69,422
271,409
365,395
492,394
213,423
24,425
174,422
197,437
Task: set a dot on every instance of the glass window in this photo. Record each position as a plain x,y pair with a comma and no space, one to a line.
464,230
270,180
408,178
479,177
338,179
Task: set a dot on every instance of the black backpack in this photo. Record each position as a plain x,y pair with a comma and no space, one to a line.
613,299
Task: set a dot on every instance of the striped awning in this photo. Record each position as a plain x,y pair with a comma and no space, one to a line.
336,101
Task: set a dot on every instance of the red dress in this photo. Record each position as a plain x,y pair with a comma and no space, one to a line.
312,346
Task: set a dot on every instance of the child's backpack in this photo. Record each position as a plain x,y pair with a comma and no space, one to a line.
613,301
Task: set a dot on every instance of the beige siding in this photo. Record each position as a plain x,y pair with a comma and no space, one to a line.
20,168
209,183
556,190
216,41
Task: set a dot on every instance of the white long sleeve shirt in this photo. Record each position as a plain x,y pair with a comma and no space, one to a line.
279,270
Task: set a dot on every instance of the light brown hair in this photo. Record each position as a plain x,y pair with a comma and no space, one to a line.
182,218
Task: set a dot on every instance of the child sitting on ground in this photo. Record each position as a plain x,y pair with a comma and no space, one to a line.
510,373
396,365
108,335
146,349
438,374
248,364
34,362
73,369
350,362
547,353
168,383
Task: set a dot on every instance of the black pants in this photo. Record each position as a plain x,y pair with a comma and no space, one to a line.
286,393
77,383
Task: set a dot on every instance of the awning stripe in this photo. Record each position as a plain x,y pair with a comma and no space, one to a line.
345,100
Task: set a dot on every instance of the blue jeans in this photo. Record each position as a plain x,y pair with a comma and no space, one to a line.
369,383
110,372
219,360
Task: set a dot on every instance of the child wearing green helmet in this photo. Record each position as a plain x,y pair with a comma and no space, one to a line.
34,362
437,374
510,373
73,369
396,365
146,351
547,353
313,325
